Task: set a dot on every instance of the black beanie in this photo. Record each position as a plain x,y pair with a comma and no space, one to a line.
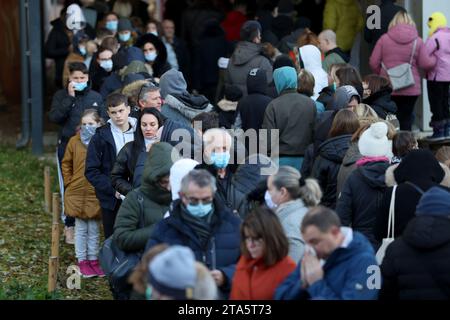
248,30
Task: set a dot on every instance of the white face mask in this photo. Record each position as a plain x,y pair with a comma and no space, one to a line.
269,201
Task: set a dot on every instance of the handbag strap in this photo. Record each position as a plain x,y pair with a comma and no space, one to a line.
392,214
413,51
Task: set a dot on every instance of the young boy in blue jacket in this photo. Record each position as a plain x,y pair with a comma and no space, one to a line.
101,156
338,265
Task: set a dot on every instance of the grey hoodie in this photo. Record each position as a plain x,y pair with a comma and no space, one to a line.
172,82
122,138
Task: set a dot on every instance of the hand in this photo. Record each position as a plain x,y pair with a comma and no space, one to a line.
218,277
71,89
118,195
313,269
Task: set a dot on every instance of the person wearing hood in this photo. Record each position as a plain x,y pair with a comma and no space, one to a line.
69,104
228,105
416,265
435,60
251,108
378,96
127,171
124,63
179,105
388,10
401,44
79,196
331,153
156,196
418,172
248,55
155,53
102,154
345,18
333,54
201,222
360,200
291,195
310,59
335,265
293,115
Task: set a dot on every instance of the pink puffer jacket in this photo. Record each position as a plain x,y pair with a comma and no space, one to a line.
394,48
435,56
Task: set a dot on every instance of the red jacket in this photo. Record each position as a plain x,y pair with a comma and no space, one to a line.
232,25
254,281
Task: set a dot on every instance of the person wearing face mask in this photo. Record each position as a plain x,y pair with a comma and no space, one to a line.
125,34
126,173
155,54
112,22
290,196
101,68
80,201
78,53
200,221
264,262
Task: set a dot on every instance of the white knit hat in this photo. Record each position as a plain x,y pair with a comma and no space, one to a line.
177,172
374,141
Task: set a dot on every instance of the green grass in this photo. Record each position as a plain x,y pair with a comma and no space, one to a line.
25,234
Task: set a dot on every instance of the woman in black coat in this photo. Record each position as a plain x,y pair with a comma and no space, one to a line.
416,265
379,98
155,53
127,171
418,172
332,152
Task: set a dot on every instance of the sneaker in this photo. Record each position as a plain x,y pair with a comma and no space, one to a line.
86,270
69,235
95,265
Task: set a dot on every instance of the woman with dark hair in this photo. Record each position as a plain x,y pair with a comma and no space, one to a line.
155,54
127,171
332,152
264,263
349,76
379,92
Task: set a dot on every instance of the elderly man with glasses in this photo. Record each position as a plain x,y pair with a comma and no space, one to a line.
201,222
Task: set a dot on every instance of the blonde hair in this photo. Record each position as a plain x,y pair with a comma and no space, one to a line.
289,178
205,286
402,17
365,113
443,155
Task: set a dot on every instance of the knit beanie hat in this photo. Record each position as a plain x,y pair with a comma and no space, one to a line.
434,202
177,172
343,96
172,82
173,273
374,141
283,61
232,92
125,25
435,21
248,30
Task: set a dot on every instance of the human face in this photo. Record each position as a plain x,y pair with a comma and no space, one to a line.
152,28
254,245
153,100
164,183
88,120
149,126
367,91
324,243
168,29
119,114
111,17
278,196
220,143
78,77
323,45
353,103
195,194
149,48
104,56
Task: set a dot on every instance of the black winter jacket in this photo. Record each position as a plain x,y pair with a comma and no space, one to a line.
416,266
67,110
360,200
381,102
327,164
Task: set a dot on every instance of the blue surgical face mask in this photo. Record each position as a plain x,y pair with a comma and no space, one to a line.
150,57
268,200
124,37
82,50
200,210
112,25
87,132
155,33
80,86
107,65
220,159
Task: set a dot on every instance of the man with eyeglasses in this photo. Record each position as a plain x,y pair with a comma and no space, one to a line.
201,222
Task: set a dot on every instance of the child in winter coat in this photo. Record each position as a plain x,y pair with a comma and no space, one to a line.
435,59
79,197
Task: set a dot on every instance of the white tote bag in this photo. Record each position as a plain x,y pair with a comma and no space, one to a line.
390,235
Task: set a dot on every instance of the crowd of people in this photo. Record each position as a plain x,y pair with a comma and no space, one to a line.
153,147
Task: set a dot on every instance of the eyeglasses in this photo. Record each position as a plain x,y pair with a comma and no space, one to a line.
147,85
254,240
